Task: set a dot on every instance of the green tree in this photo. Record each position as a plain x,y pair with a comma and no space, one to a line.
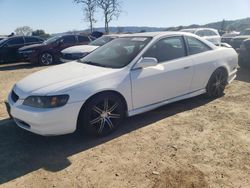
23,31
40,33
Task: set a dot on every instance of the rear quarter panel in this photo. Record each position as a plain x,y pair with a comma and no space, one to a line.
206,63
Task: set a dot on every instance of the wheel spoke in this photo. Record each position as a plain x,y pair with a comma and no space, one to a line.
97,110
221,86
101,126
113,107
109,122
96,120
106,105
217,78
114,116
218,91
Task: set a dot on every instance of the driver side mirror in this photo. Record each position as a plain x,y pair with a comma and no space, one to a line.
60,42
146,62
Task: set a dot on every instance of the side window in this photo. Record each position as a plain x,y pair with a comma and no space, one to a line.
83,39
212,33
195,46
201,33
207,33
15,41
31,40
167,49
69,39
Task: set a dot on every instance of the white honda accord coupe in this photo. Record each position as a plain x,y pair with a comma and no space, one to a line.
128,76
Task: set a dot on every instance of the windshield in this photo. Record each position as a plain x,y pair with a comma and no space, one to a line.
3,41
117,53
246,32
52,39
101,41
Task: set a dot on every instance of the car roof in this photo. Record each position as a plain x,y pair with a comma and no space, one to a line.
114,35
157,34
200,28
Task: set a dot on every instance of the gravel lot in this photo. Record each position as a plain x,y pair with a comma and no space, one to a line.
192,143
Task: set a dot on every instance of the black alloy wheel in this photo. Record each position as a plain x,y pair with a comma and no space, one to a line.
217,83
103,114
46,59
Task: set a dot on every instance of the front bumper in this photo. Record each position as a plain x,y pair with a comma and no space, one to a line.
46,122
232,76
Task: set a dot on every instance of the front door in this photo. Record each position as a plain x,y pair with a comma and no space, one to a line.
10,49
169,79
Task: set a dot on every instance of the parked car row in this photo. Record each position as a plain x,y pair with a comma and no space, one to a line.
49,51
209,34
244,54
78,52
36,50
9,47
238,40
68,48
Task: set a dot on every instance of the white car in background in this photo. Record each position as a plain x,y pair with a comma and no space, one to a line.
127,76
80,51
209,34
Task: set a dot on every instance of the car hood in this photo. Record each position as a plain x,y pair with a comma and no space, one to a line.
32,47
58,78
80,49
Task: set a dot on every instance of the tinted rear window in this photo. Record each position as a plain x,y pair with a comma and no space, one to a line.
83,39
69,39
32,40
15,41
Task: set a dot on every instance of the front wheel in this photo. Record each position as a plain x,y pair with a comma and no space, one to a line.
46,59
216,84
102,115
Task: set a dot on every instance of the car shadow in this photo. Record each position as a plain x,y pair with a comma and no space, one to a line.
16,66
243,75
22,152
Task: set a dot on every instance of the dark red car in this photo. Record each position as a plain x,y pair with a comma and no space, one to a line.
48,52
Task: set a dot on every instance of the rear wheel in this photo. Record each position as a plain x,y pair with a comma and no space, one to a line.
217,83
102,115
46,59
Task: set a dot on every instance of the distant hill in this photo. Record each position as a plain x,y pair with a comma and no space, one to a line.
228,25
236,25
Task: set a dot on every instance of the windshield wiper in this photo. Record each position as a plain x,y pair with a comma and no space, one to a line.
92,63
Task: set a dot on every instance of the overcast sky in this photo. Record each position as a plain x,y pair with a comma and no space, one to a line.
63,15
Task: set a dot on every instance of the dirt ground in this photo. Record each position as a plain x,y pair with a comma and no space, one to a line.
193,143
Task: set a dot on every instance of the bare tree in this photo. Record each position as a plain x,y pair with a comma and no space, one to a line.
89,11
24,31
111,9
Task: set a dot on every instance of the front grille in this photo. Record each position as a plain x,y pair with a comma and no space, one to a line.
73,56
14,96
22,124
68,57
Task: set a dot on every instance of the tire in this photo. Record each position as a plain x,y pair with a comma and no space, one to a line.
217,83
46,59
101,115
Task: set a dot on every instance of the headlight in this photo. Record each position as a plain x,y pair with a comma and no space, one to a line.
46,101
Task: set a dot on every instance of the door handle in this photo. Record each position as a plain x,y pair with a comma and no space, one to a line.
186,67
